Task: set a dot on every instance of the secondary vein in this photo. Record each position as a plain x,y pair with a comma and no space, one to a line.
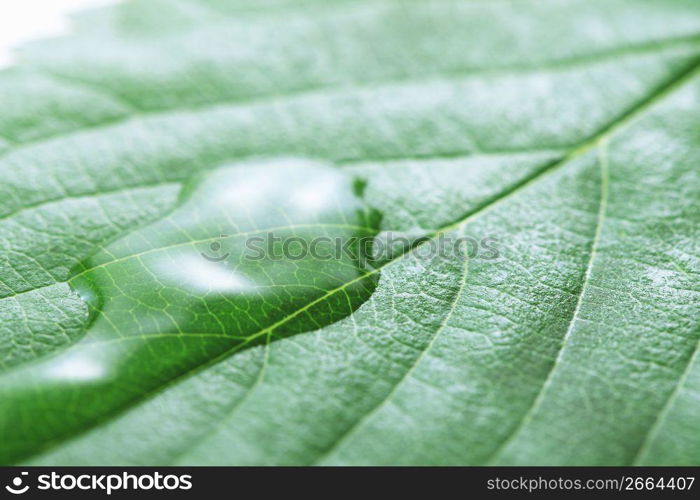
537,402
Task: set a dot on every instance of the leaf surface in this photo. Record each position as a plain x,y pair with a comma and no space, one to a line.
565,131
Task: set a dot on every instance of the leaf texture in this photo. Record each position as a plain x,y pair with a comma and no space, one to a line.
565,130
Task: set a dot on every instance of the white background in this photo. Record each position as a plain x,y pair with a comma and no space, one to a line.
24,20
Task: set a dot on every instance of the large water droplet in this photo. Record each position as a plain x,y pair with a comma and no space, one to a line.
250,254
251,251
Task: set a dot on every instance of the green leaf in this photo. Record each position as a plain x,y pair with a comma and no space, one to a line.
562,134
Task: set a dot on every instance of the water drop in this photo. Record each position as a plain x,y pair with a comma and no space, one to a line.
251,250
250,254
